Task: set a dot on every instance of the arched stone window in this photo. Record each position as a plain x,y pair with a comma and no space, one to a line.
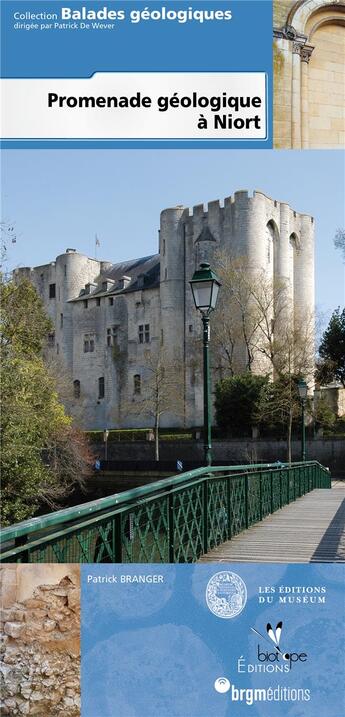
294,245
272,236
309,98
101,392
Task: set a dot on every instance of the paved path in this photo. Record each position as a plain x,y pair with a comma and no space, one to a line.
312,529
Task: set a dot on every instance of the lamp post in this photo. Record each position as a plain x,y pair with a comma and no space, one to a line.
205,286
303,391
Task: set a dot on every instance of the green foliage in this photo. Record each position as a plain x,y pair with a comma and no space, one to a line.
236,401
332,349
279,405
31,418
36,436
24,324
324,417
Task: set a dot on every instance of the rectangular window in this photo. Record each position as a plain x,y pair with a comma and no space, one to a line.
89,343
112,336
98,302
111,301
61,321
52,291
101,387
85,304
141,333
137,383
147,333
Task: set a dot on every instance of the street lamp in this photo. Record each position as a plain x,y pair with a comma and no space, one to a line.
205,286
303,391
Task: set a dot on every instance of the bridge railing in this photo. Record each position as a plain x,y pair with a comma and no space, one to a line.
173,520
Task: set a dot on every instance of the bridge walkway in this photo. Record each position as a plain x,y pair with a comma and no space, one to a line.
312,529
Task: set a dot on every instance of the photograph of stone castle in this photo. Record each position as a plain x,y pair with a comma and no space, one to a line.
149,373
309,74
112,321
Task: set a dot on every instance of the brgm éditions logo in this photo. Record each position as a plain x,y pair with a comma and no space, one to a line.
226,594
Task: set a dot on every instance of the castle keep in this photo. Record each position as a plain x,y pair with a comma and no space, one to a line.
111,319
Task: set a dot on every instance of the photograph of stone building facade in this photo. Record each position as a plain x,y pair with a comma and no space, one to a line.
40,640
111,320
309,74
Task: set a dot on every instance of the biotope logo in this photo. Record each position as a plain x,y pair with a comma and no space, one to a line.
226,594
277,655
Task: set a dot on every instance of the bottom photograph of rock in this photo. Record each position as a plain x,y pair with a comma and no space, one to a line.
40,640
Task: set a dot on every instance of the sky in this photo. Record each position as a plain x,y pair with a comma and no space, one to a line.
63,198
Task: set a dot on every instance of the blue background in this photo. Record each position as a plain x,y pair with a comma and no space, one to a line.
156,650
243,44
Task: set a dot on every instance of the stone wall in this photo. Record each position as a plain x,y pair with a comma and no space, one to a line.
40,645
329,452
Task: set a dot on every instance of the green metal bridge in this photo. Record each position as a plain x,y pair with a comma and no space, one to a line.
175,520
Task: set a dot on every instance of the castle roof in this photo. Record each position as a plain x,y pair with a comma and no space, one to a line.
143,273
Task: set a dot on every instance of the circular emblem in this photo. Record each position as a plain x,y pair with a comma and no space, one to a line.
226,594
222,685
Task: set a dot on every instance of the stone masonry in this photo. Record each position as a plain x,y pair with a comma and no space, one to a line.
309,74
40,644
110,319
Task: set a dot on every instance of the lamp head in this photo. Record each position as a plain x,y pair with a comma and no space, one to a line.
205,286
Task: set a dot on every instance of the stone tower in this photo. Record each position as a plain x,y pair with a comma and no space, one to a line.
268,233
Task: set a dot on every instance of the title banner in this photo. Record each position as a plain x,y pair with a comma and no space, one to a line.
123,73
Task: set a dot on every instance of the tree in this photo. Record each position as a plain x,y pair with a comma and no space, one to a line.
279,407
323,415
42,456
252,306
159,390
332,350
236,403
236,320
278,342
291,353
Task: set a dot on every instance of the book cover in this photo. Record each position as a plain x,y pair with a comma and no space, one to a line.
172,358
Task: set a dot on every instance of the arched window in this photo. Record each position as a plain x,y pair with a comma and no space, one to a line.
76,388
101,387
272,236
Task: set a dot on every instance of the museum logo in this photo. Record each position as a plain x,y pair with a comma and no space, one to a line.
226,594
